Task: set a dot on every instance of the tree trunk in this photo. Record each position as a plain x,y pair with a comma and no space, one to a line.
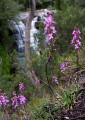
27,31
59,3
27,36
30,72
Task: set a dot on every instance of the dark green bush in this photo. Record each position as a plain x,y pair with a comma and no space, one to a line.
66,21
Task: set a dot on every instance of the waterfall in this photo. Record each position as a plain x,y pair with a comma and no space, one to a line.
33,31
18,32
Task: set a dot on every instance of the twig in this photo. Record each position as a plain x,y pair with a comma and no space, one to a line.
79,72
46,69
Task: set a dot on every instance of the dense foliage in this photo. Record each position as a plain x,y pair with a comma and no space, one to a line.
71,18
8,56
58,63
8,10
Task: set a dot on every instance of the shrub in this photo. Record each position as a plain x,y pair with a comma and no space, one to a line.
66,21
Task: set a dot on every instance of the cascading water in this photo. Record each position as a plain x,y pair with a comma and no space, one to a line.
18,32
33,31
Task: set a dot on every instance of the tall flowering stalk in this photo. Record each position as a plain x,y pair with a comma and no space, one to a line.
49,29
22,99
49,32
76,38
65,65
62,67
14,100
76,42
55,79
18,100
21,86
4,102
65,68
